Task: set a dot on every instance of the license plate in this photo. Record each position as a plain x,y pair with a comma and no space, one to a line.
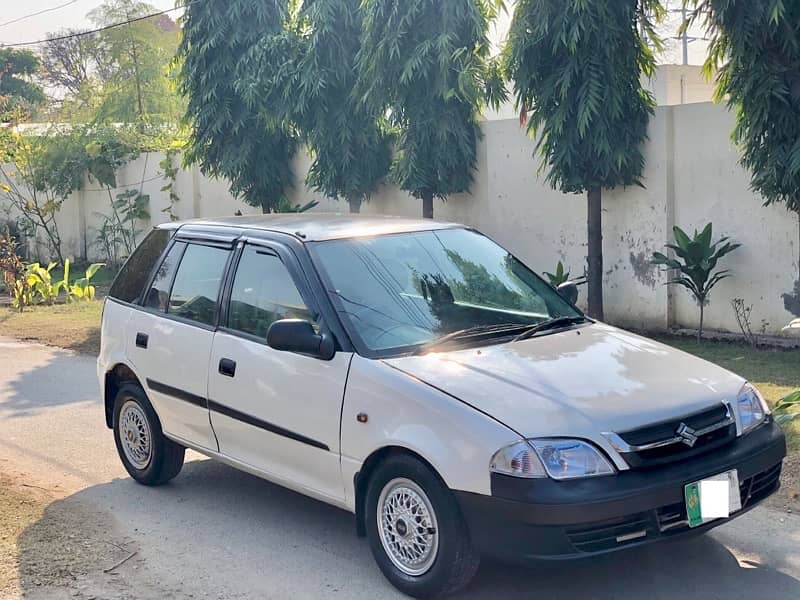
712,498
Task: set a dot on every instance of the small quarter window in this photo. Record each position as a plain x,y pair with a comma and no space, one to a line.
158,294
195,292
263,292
133,276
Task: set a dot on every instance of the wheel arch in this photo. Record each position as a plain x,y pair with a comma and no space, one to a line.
115,378
364,474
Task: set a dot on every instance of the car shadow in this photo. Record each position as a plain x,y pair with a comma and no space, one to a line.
217,532
48,379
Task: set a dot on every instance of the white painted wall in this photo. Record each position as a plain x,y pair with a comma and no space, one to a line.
691,177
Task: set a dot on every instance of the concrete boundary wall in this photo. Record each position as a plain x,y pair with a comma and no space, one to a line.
692,177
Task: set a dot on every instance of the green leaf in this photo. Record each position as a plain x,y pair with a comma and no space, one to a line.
92,269
683,241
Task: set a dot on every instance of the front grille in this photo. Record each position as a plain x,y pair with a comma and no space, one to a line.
661,443
661,522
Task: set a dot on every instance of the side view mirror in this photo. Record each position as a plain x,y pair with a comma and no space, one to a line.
297,335
568,291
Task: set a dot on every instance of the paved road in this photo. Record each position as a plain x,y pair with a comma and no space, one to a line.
218,533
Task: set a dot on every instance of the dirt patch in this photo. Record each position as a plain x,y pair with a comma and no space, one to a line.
788,497
19,507
58,548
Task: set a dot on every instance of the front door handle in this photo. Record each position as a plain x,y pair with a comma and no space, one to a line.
227,367
141,340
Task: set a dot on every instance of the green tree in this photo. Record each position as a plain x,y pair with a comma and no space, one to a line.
46,169
755,48
71,60
19,96
577,68
132,82
233,135
347,138
426,62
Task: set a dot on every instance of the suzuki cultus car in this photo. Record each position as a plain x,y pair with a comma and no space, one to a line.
421,377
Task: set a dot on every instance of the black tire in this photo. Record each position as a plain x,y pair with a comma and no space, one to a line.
456,562
165,456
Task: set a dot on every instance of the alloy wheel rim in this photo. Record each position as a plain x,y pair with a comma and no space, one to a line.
407,526
135,435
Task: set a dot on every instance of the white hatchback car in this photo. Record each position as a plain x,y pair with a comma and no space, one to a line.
421,377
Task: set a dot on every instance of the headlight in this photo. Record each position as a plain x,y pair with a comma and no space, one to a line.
751,407
558,458
518,460
567,459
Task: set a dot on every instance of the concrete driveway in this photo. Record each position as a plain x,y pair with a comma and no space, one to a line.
217,533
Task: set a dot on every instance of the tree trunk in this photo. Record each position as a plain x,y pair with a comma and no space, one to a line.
595,253
700,330
427,204
355,204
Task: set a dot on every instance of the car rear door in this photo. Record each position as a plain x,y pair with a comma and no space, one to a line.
170,337
275,411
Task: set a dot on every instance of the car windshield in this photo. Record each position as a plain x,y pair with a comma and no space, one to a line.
397,292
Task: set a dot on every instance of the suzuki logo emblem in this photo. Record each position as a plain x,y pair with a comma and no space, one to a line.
687,435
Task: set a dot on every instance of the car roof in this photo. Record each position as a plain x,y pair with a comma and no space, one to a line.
314,227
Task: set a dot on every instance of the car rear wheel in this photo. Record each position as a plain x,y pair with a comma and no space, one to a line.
149,457
415,529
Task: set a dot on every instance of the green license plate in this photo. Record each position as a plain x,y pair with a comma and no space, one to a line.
695,506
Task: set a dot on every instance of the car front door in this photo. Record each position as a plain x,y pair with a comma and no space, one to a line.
275,411
170,338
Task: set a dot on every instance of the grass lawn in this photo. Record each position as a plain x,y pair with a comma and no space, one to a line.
75,326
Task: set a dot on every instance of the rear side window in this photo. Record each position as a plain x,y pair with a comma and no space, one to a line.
158,294
134,274
195,292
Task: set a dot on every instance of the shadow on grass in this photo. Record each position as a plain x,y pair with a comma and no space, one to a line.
265,541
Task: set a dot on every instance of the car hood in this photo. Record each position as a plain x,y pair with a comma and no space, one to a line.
578,382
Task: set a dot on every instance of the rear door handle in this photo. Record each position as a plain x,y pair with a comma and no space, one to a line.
141,340
227,367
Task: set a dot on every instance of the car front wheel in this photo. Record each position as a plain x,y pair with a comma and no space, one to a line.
416,532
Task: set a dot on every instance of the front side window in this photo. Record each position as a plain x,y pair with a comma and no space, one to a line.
403,290
195,293
263,292
133,276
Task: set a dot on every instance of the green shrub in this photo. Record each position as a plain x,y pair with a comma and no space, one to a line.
694,267
788,409
41,282
82,289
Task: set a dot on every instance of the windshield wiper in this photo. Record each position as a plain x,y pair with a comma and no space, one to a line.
550,324
502,328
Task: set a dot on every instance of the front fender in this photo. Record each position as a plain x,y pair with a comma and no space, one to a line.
401,411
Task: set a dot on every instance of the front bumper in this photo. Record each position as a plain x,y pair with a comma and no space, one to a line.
529,519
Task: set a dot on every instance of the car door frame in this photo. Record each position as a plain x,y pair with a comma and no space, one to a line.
302,278
189,236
